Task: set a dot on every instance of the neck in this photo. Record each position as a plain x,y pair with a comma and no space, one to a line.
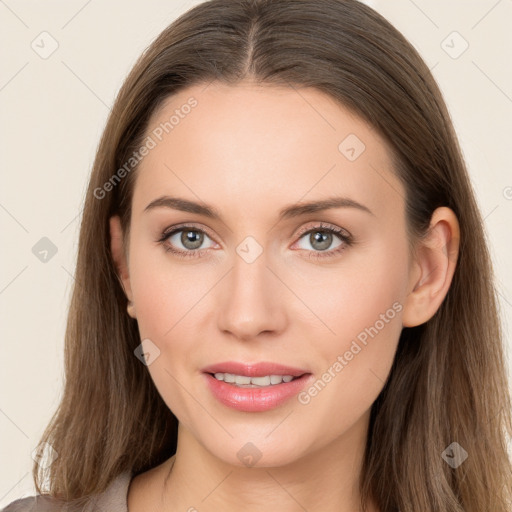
324,479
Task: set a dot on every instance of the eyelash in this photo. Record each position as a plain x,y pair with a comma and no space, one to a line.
196,253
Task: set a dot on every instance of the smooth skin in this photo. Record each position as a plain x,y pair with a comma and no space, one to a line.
249,151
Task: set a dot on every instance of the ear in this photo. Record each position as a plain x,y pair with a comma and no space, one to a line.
120,259
433,269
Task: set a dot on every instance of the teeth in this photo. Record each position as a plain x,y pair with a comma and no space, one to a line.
244,381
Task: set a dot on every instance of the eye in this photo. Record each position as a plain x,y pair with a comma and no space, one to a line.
184,241
322,237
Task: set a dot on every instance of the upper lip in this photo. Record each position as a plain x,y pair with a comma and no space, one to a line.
260,369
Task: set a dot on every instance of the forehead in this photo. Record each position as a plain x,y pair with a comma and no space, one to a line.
258,146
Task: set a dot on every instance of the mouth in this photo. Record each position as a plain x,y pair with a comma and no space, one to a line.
255,387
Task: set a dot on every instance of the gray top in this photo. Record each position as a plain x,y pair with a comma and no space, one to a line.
113,499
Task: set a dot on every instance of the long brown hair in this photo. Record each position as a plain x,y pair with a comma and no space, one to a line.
448,382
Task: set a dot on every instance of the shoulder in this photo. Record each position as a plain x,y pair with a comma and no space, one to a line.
113,499
37,503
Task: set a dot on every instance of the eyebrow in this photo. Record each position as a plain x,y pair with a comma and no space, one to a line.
291,211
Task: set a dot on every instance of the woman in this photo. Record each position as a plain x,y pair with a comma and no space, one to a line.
284,293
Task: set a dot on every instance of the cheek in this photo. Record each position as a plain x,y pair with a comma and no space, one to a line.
154,297
164,293
164,290
348,299
353,364
361,305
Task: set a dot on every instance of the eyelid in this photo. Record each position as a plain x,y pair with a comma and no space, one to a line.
319,225
178,227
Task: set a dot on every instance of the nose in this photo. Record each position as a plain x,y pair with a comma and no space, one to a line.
252,300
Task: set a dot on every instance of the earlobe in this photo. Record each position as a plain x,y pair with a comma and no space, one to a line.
433,270
120,261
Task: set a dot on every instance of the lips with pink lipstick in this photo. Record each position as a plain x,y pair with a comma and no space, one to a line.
254,387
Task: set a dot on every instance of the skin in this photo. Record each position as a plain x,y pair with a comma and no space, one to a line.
249,151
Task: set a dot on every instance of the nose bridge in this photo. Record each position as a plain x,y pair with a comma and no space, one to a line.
249,275
250,299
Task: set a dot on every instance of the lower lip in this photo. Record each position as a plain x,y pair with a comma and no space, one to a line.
255,399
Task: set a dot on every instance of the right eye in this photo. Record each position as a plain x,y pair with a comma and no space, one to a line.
189,237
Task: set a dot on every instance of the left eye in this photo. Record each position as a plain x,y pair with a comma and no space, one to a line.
321,239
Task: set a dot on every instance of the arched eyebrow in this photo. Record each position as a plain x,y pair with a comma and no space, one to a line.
288,212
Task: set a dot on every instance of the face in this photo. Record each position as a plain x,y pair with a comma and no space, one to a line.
317,290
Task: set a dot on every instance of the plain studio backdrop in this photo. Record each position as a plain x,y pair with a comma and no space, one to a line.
62,64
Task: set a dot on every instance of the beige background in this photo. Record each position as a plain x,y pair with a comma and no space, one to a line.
54,110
